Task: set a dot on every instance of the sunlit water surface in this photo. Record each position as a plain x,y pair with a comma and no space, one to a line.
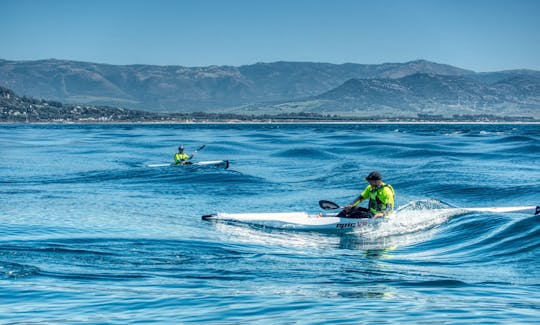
90,233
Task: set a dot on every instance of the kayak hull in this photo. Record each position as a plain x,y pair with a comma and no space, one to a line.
212,163
295,221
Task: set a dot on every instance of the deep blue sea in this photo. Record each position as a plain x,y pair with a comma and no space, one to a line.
90,234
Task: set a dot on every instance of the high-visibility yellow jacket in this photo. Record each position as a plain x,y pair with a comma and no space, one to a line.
381,199
180,158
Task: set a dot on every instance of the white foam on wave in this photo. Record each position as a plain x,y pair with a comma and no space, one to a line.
415,222
274,237
414,217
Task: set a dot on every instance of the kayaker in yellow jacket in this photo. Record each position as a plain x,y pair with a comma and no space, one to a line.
381,200
182,158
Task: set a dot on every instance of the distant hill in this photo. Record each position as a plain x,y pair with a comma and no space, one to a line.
184,89
419,94
17,109
492,77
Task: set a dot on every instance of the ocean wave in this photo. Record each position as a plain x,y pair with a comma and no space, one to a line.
531,150
513,139
83,215
14,270
303,153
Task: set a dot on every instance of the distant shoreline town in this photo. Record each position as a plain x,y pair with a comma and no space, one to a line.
16,109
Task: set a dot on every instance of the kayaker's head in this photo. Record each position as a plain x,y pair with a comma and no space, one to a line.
181,149
374,178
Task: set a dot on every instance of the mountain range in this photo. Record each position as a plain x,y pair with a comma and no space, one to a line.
390,89
418,94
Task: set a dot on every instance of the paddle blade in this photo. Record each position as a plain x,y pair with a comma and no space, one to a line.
201,148
328,205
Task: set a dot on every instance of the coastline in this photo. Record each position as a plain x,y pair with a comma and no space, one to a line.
235,122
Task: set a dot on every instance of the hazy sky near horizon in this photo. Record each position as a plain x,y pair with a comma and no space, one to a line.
481,35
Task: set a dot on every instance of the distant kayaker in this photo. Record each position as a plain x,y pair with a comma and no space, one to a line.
182,158
381,200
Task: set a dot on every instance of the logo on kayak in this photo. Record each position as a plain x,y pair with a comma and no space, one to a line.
359,223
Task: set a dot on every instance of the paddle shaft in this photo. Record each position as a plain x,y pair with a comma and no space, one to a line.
328,205
200,148
526,209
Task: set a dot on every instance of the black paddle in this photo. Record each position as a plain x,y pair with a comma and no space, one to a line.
200,148
328,205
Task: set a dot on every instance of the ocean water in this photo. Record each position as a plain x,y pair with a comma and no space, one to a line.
90,234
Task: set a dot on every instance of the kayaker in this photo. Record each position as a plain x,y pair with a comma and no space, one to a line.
381,200
182,158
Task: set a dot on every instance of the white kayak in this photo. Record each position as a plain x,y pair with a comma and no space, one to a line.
294,220
331,223
211,163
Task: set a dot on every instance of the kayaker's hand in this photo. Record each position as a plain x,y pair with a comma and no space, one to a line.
378,215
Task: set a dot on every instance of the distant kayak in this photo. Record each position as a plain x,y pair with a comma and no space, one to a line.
211,163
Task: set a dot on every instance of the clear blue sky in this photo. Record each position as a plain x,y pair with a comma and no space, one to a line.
482,35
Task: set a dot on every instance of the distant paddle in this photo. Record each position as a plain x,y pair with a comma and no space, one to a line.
200,148
328,205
